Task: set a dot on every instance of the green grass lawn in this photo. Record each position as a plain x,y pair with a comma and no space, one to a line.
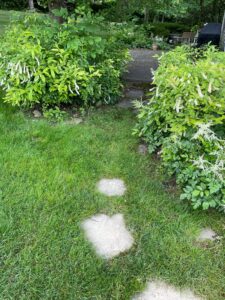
48,187
4,19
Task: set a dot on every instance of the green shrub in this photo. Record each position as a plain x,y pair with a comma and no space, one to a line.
185,118
54,114
164,29
47,63
13,4
131,35
161,43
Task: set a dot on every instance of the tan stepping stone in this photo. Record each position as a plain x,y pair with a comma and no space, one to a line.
157,290
108,235
111,187
207,234
74,121
37,113
143,149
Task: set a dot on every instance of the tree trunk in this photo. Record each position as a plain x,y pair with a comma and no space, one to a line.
146,15
31,4
56,4
201,3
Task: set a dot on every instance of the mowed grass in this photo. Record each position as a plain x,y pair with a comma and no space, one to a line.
4,20
48,187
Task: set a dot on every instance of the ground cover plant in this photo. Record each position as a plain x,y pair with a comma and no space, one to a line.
48,188
73,62
184,120
132,35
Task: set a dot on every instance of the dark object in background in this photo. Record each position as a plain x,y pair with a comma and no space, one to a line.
210,33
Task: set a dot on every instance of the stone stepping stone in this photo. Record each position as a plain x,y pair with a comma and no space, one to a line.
139,69
129,97
207,234
37,114
157,290
111,187
134,94
126,103
143,149
108,235
74,121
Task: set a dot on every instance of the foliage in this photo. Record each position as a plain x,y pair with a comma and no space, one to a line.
54,114
185,118
137,36
164,29
191,11
13,4
70,63
131,35
161,43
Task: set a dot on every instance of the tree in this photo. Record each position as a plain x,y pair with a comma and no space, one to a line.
31,4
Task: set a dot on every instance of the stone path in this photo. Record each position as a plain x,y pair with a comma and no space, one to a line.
157,290
139,70
110,237
138,78
108,234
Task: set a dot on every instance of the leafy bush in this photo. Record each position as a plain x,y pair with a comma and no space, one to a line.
138,36
44,62
164,29
131,35
13,4
54,114
185,118
161,43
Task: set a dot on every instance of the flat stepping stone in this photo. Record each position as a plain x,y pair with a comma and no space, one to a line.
130,96
74,121
37,114
139,69
157,290
207,234
108,235
143,149
134,94
125,104
111,187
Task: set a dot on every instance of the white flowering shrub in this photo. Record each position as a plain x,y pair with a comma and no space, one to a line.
185,119
43,62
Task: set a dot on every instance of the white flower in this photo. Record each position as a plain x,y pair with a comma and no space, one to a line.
178,106
199,91
37,60
205,132
76,87
210,86
201,163
70,89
